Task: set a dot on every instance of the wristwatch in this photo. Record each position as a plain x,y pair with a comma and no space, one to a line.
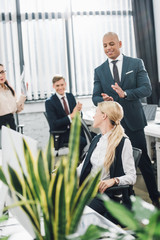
116,181
125,94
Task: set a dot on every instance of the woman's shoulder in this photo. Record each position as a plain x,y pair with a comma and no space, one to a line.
127,142
124,141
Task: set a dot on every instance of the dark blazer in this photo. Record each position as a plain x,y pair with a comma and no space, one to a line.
57,118
136,83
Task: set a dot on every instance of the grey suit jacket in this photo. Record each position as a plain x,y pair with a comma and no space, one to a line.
136,83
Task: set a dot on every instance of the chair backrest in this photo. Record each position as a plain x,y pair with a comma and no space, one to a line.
150,111
19,127
84,126
56,135
45,114
86,132
137,155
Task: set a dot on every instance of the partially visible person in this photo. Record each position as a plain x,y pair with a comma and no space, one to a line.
125,80
61,108
8,101
110,152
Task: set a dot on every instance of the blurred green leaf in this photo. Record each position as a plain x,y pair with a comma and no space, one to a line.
3,218
86,196
30,161
42,172
73,156
2,176
4,238
15,180
62,210
50,154
142,210
93,232
153,228
121,213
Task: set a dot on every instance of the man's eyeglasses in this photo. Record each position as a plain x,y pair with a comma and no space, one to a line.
3,71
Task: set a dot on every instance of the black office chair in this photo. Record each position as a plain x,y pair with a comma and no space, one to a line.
19,127
58,133
124,191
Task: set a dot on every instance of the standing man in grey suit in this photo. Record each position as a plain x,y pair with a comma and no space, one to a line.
124,80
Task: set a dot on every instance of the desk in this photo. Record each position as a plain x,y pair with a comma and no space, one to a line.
13,228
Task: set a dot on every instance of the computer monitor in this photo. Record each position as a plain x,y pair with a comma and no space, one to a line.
11,143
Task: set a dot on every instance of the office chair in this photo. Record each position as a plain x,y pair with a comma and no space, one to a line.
19,127
58,133
125,191
150,111
136,155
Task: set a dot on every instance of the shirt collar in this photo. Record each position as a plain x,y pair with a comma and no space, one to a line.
60,96
119,58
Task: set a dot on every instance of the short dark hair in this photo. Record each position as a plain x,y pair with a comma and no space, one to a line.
57,78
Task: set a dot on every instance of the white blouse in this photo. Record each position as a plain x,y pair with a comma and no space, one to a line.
9,103
98,157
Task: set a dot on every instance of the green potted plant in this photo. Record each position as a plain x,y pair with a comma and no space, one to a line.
50,192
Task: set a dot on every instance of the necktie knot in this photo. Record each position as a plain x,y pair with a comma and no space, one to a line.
114,62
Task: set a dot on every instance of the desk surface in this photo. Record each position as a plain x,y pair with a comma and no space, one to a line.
152,129
17,232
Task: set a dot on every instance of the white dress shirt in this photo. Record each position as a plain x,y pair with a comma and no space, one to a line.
98,158
118,64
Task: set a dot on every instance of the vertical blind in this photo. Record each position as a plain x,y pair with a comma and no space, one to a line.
45,38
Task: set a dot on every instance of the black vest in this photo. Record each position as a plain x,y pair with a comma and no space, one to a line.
116,169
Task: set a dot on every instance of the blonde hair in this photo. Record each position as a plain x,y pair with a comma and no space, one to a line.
114,112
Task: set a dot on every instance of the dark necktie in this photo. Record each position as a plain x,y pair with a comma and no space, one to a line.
65,106
115,72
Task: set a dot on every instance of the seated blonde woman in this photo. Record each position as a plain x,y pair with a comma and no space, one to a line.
111,152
